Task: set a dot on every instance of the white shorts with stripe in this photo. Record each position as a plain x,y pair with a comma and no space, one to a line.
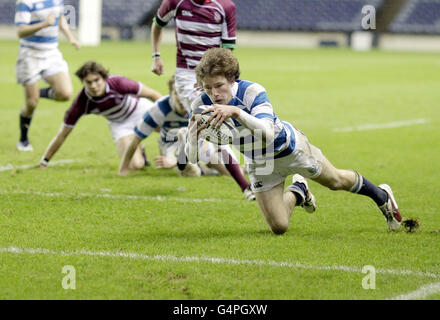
306,160
126,128
33,65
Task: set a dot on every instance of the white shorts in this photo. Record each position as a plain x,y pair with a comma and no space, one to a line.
126,128
184,82
306,160
33,65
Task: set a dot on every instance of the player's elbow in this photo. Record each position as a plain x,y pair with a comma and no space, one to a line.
21,33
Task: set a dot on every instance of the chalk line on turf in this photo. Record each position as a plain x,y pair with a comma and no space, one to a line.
214,260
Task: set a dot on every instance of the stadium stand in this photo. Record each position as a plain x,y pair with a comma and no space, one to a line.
310,15
123,13
313,15
418,16
114,12
7,12
415,16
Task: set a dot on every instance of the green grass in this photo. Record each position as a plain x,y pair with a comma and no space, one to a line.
60,209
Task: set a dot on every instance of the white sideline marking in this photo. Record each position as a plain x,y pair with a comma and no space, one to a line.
212,260
110,196
29,166
422,293
389,125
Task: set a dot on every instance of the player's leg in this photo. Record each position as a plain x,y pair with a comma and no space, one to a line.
350,180
335,179
184,83
60,89
138,161
277,205
56,73
223,159
32,95
123,133
208,154
232,165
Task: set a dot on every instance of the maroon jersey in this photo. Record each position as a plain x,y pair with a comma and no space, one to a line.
117,104
200,25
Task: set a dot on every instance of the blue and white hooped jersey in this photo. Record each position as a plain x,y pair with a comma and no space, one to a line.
30,12
252,99
163,116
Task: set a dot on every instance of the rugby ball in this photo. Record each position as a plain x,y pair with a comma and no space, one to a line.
222,135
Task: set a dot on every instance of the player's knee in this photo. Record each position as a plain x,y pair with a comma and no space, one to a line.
64,94
136,164
31,104
278,225
279,228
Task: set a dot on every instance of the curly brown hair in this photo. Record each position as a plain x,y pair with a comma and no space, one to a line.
218,62
91,67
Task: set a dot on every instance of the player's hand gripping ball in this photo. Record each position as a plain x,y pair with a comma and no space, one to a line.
221,136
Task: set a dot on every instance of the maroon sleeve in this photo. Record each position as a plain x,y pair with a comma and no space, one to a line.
229,32
124,85
76,110
165,12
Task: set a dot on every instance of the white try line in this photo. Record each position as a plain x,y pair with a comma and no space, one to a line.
111,196
422,293
377,126
212,260
10,167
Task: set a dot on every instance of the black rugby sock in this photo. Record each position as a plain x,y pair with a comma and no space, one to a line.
47,93
366,188
25,123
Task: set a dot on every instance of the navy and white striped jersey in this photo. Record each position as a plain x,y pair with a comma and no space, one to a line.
162,115
30,12
252,99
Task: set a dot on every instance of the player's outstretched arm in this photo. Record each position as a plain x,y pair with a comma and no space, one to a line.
54,145
263,127
149,93
128,154
64,28
25,31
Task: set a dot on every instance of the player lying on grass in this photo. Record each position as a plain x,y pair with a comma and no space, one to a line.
273,149
121,100
171,117
38,24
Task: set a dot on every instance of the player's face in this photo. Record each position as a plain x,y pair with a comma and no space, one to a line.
218,88
94,84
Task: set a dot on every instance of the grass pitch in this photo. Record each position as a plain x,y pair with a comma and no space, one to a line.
153,235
